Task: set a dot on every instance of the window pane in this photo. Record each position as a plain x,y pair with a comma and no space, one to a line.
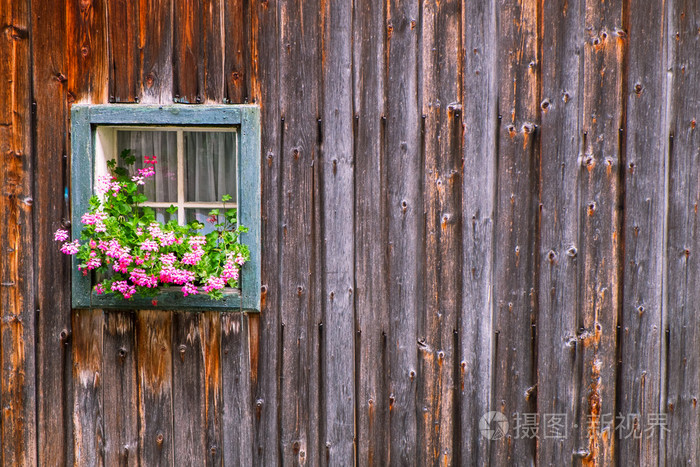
163,216
163,145
210,159
200,215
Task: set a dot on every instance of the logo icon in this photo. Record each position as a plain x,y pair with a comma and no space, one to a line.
493,425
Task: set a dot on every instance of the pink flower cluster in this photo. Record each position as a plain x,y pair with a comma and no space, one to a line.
149,245
173,275
94,262
106,183
70,248
124,288
139,277
99,289
60,235
214,283
230,270
189,289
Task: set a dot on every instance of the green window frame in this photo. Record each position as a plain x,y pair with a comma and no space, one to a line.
86,118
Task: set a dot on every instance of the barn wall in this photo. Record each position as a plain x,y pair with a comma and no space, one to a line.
467,206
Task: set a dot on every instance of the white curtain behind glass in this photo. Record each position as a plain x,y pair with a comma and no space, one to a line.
210,170
162,144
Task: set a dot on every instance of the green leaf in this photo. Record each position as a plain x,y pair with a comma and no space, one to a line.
214,212
172,209
226,198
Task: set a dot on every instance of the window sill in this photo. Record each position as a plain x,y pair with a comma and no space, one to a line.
172,299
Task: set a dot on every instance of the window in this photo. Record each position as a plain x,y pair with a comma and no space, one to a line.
203,153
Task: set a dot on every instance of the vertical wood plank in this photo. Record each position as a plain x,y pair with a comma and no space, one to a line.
51,211
681,443
124,55
156,46
265,331
214,48
210,332
87,52
558,356
120,389
188,382
441,49
371,234
155,372
17,289
515,273
641,337
480,106
237,43
299,397
88,428
405,219
236,374
600,227
337,187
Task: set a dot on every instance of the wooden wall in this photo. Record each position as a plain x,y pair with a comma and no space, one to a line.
467,206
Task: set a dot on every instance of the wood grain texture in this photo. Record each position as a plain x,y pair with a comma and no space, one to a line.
88,407
124,54
558,353
336,193
299,75
240,39
681,443
517,218
156,46
120,389
17,269
641,338
600,189
54,369
189,426
441,48
265,331
155,386
405,226
371,234
87,55
236,375
479,189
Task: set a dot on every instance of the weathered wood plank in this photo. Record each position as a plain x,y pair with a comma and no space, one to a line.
189,426
87,51
558,359
371,234
240,37
515,267
213,48
120,390
236,375
479,78
54,369
265,331
156,46
641,338
336,192
155,377
681,443
600,227
188,52
298,71
210,334
441,50
405,225
124,55
17,289
88,412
